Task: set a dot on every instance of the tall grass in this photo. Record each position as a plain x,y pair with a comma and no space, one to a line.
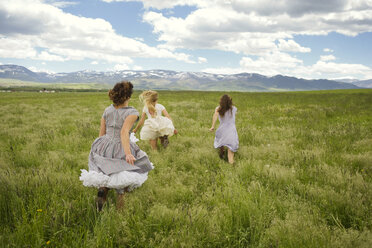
302,176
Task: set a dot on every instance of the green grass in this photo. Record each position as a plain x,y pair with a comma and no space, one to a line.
302,176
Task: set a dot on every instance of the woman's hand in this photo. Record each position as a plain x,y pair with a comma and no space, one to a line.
175,131
134,130
211,129
130,159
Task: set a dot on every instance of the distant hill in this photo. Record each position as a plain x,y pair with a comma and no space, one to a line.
174,80
364,83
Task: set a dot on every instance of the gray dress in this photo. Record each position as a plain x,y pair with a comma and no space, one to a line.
226,134
107,164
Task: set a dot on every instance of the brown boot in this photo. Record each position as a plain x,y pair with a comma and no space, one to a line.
221,152
164,141
101,197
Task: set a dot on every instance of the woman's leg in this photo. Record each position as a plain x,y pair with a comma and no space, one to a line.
230,156
120,199
154,144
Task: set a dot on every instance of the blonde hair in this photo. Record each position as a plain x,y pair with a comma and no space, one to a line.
149,97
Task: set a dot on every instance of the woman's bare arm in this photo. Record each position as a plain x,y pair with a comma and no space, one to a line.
214,119
140,123
124,135
102,130
166,114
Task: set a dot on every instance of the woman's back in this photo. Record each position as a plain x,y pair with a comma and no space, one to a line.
158,107
228,117
114,119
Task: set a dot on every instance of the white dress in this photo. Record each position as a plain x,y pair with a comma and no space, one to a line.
155,127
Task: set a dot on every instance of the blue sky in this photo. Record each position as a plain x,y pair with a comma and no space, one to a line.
309,39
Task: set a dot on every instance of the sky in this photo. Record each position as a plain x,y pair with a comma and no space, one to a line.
314,39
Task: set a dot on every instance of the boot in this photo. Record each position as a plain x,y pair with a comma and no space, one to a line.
164,141
221,152
101,197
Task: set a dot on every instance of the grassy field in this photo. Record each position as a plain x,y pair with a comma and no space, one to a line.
302,178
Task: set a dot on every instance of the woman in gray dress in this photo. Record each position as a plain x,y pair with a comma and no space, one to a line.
226,134
114,161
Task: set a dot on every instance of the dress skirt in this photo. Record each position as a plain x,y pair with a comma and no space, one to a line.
156,127
108,167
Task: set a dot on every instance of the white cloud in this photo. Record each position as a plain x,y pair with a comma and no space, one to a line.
292,46
327,57
271,64
94,62
49,57
160,4
338,70
29,24
327,50
202,60
256,27
285,64
61,4
16,48
35,69
121,67
137,68
139,39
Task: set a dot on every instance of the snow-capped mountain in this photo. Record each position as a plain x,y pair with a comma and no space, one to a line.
175,80
364,83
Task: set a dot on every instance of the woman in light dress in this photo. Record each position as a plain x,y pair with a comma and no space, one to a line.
116,162
156,126
226,134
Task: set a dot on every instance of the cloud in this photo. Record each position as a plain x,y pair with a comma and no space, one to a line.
327,50
281,63
94,62
121,67
292,46
16,48
35,69
202,60
339,70
49,57
30,25
160,4
327,58
61,4
259,26
289,7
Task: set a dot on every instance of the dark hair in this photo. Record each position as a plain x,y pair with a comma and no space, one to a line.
225,105
121,92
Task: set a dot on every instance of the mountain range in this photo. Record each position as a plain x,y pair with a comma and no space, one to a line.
175,80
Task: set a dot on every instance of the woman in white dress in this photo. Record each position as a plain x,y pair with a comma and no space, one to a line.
156,126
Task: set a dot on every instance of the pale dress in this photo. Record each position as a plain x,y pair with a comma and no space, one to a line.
226,134
107,164
155,127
